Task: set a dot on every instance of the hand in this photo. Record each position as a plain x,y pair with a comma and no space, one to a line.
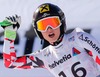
11,23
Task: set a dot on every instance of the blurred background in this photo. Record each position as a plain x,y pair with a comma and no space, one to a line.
79,13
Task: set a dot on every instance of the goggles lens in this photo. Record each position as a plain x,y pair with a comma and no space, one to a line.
54,22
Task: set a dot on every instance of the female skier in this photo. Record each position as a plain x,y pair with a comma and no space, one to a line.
76,54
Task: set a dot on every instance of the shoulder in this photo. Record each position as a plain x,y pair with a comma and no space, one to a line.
81,35
84,37
78,32
74,34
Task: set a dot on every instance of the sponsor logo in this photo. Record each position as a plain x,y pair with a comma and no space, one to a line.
45,14
47,53
90,42
44,8
75,51
72,38
62,60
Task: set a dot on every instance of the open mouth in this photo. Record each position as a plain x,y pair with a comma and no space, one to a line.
51,35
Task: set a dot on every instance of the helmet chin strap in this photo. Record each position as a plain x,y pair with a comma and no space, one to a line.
58,40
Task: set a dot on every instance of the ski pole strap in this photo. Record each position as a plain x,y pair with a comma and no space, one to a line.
10,34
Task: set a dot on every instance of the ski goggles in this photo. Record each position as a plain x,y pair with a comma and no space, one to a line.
53,22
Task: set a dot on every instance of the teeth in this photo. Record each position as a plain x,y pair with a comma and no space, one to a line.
50,33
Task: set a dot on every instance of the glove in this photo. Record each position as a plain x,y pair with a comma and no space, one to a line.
11,22
11,25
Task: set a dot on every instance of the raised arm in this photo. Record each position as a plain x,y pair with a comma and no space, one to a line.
10,25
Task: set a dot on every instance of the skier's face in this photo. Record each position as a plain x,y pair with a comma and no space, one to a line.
50,28
51,35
